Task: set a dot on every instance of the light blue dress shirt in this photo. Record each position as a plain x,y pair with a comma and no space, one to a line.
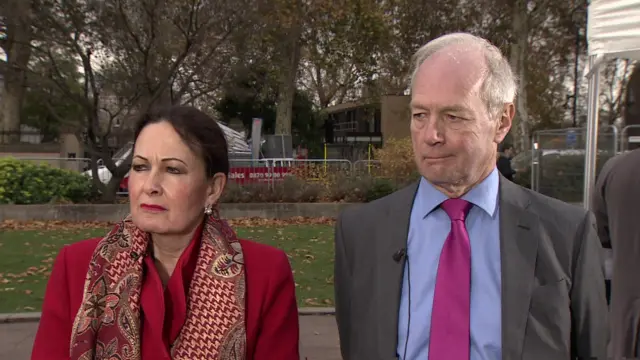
428,230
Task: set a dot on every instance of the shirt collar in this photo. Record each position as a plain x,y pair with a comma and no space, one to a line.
484,195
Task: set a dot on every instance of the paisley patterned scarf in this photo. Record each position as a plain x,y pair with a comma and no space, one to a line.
107,325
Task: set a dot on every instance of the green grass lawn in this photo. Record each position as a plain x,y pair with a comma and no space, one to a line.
26,258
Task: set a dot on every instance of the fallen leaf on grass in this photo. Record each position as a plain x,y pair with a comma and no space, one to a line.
81,227
28,292
299,220
29,308
52,225
312,302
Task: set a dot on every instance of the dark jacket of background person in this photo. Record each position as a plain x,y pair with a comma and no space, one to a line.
616,205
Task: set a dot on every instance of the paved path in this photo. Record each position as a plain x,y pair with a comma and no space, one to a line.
318,339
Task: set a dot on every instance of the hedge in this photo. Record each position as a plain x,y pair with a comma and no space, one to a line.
562,176
27,182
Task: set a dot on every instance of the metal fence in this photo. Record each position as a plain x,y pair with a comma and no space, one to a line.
557,160
274,170
367,167
625,139
241,172
554,166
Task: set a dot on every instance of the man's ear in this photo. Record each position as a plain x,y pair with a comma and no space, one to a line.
504,122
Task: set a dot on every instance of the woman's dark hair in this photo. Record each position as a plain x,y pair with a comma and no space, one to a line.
198,130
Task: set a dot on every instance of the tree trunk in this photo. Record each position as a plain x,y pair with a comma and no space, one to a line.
111,190
521,126
11,102
18,50
287,83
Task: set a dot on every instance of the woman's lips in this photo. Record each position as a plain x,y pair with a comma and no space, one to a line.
152,207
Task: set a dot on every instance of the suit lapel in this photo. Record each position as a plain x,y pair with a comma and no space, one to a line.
519,235
393,231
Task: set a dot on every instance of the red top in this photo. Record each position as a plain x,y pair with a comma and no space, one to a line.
271,313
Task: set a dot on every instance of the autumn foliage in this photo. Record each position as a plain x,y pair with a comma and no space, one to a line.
397,161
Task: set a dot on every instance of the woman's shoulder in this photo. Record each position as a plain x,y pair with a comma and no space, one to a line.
75,257
253,249
263,258
82,248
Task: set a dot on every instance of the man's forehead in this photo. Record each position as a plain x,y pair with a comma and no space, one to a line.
464,67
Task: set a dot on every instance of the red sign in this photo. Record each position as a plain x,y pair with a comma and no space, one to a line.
257,174
244,175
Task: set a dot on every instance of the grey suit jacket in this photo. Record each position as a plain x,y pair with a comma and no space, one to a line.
553,293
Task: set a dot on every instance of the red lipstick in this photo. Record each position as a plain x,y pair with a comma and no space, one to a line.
152,207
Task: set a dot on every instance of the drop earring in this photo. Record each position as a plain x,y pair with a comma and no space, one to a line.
208,210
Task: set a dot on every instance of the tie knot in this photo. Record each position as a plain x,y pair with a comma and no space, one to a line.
457,209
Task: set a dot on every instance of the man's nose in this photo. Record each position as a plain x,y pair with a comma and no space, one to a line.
432,132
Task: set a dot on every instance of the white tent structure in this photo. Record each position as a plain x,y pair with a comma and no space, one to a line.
235,141
613,31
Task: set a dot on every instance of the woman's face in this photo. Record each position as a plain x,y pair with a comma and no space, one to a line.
168,186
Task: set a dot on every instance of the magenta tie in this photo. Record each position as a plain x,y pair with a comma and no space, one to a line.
449,339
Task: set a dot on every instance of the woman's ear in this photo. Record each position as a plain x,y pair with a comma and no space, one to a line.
216,186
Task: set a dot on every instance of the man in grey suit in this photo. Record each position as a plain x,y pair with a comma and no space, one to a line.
465,265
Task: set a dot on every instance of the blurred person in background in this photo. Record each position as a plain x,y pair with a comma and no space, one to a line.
505,155
172,280
616,205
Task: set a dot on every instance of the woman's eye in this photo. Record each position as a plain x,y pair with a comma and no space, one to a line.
137,167
173,170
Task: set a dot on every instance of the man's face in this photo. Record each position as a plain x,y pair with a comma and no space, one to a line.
454,137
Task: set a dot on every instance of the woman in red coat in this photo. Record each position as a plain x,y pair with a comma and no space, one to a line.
172,280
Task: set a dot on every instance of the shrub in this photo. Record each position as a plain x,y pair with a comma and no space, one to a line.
562,176
341,187
290,189
318,172
397,161
25,182
348,188
293,189
379,188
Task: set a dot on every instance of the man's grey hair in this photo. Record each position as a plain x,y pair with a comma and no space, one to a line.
499,86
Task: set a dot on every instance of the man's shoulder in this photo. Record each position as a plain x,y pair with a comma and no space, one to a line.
624,162
547,207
